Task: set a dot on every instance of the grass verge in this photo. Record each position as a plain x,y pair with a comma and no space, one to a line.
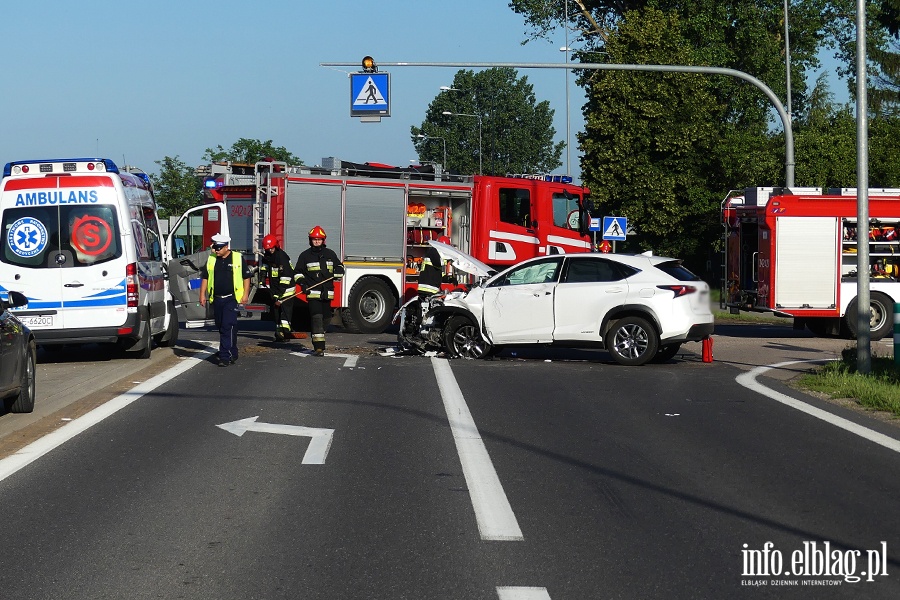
879,390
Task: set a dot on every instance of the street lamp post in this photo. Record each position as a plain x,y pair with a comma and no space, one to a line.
566,49
453,114
443,141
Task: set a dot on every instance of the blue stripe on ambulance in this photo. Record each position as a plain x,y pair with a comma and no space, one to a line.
110,297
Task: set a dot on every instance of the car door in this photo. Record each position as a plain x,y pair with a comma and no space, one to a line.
590,287
186,254
518,306
10,340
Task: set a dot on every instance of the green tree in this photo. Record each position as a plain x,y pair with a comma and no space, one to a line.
650,139
825,142
249,151
175,186
885,95
497,124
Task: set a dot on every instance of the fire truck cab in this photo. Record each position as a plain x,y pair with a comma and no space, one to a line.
793,252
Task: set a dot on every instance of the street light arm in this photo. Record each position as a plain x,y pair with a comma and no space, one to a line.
779,107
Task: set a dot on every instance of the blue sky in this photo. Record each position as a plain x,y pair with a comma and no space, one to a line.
136,81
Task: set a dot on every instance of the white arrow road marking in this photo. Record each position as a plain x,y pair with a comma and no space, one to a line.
351,361
319,443
522,593
493,513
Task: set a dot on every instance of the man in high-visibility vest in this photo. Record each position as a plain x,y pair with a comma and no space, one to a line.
225,284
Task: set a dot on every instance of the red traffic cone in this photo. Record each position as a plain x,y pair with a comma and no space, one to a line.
708,350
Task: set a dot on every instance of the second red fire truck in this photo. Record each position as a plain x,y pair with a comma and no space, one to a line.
379,220
794,252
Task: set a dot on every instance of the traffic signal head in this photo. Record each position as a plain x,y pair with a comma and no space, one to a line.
368,65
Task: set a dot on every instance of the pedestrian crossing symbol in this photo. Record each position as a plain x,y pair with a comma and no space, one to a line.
614,228
370,94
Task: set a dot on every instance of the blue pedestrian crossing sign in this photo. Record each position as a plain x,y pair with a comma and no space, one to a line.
370,94
614,228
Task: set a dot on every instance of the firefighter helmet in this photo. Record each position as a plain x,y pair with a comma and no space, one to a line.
269,242
317,233
444,240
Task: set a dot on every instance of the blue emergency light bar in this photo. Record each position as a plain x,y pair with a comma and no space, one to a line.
107,163
550,178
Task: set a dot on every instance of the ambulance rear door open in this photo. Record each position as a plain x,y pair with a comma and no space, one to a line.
187,252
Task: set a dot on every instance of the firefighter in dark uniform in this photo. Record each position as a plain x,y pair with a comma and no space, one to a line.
432,271
318,267
429,282
277,268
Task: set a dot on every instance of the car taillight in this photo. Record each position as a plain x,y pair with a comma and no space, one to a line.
131,285
679,290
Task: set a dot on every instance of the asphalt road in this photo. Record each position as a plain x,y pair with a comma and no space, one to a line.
545,474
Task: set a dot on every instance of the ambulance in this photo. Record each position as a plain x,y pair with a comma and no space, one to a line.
81,241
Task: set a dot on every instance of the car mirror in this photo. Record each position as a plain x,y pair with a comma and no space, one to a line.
16,299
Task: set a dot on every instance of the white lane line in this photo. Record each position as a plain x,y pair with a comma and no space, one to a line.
493,513
38,448
748,380
522,593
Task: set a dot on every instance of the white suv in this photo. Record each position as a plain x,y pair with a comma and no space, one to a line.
641,308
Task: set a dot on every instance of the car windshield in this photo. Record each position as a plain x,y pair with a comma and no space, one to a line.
677,270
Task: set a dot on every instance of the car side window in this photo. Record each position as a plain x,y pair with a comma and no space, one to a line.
541,271
592,270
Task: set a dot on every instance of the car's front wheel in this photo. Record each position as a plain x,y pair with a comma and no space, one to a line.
632,341
24,402
463,339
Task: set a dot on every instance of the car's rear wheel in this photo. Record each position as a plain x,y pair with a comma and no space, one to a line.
145,343
632,341
170,336
24,402
463,339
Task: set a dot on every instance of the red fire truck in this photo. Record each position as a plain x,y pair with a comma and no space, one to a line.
793,252
379,220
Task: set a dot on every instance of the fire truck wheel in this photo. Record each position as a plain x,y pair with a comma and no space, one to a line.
371,302
632,341
463,340
881,316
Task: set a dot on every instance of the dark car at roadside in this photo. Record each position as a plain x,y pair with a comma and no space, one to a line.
17,357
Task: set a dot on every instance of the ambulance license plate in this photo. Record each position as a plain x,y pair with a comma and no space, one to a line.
37,321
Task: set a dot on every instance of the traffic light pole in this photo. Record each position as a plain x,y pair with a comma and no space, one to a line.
785,119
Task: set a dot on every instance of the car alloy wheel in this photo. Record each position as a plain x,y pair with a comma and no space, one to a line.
632,341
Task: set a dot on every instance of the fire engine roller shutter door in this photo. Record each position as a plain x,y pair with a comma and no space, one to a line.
806,262
375,223
308,205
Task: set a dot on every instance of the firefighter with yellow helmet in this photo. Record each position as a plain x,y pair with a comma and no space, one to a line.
318,267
